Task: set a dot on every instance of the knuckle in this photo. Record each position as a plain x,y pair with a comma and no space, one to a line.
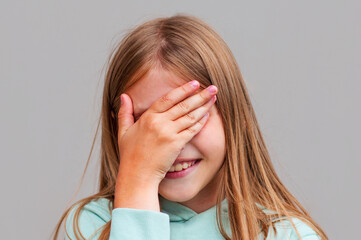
155,125
183,106
190,117
204,96
121,115
151,121
176,144
164,136
165,99
184,88
192,130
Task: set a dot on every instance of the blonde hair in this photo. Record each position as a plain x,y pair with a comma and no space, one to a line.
191,49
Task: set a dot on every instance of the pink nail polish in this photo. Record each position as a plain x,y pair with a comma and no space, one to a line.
212,89
194,83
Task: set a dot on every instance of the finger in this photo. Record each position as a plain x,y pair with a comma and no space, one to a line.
173,97
186,106
189,119
125,115
187,134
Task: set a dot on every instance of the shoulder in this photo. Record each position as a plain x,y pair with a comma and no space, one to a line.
285,230
92,217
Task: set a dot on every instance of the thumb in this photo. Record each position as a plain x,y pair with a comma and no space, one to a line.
125,115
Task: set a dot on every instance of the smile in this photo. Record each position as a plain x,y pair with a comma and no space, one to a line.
185,169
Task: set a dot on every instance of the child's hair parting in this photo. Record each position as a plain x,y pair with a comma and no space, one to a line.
188,47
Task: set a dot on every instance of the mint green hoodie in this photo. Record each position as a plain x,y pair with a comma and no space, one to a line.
174,222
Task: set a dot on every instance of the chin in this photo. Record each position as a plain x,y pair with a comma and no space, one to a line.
180,194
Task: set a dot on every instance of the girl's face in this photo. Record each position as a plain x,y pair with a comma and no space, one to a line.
197,190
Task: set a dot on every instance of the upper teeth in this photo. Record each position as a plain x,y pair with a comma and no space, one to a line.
181,166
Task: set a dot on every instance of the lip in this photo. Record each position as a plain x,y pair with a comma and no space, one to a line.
179,160
183,173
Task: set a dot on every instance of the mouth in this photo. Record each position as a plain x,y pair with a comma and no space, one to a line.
182,169
183,163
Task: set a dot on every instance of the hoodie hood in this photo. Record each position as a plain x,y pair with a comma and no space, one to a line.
180,213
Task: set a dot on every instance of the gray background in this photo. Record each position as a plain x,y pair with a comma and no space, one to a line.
300,60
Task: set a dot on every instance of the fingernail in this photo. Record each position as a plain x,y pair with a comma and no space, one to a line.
205,115
194,83
212,89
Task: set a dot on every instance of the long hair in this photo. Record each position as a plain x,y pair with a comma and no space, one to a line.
191,49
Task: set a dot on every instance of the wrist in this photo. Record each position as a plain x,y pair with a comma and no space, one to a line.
136,192
138,178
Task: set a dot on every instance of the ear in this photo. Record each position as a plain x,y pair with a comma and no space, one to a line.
113,114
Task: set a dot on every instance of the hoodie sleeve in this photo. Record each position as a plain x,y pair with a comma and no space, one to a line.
129,223
305,231
126,223
285,231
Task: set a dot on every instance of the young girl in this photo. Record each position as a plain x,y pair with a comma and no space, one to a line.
182,155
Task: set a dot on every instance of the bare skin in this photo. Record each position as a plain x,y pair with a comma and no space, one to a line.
149,146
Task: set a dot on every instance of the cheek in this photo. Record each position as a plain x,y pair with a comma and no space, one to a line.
211,139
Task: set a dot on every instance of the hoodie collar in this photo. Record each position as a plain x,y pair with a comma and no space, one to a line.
178,212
